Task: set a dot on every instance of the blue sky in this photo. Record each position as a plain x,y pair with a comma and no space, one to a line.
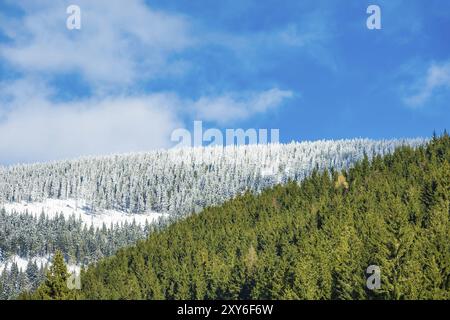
134,72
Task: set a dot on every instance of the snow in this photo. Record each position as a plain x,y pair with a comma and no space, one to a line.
53,208
23,262
176,181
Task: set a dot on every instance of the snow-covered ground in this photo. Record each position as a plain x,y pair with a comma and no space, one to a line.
40,261
80,209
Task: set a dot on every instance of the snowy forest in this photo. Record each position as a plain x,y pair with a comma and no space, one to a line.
181,181
28,243
176,182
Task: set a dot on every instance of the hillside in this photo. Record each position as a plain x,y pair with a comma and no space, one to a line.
181,181
90,207
312,240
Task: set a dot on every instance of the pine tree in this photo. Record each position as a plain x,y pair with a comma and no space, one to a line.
55,286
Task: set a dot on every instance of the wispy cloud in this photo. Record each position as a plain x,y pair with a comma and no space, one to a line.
232,107
432,82
117,43
311,37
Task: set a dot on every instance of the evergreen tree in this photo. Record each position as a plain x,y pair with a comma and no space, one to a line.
55,286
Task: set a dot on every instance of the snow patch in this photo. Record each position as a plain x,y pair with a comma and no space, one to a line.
40,261
53,208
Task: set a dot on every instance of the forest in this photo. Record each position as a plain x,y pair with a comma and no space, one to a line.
312,239
35,240
174,183
180,181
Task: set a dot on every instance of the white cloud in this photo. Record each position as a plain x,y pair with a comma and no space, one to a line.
41,130
233,107
118,41
35,128
437,77
119,44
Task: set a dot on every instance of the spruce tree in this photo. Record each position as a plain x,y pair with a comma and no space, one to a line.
55,286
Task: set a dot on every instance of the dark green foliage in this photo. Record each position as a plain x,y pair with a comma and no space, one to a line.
312,240
55,286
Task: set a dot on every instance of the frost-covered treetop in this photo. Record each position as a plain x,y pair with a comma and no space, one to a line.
181,181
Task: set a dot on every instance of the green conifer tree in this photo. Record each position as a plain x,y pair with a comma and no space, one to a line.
55,286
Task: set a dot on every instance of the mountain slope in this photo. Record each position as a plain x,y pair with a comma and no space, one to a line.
309,241
181,181
45,203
